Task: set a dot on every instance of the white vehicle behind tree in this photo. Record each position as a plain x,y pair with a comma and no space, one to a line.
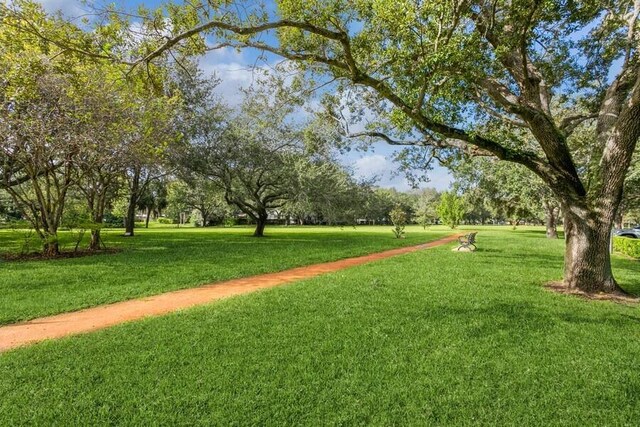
633,233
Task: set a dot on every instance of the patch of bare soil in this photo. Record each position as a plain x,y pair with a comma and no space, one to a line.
37,256
618,297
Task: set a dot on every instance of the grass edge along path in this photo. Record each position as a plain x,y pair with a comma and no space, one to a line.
165,260
100,317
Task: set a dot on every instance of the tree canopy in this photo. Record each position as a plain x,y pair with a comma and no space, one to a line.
470,76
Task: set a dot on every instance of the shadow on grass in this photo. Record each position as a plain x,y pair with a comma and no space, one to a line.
488,250
531,233
524,260
520,319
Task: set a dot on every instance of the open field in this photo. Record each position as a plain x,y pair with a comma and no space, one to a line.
433,337
163,259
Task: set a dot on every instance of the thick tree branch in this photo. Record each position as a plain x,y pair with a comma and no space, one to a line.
239,30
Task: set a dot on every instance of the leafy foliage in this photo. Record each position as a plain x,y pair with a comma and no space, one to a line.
451,209
627,246
426,207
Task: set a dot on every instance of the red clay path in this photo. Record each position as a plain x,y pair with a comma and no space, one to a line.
91,319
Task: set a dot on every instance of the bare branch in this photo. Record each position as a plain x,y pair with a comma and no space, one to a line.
570,123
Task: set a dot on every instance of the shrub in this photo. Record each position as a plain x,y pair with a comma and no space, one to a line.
163,220
399,220
627,246
112,221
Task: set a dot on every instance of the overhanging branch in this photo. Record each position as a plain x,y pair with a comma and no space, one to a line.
348,64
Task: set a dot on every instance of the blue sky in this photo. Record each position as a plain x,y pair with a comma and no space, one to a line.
235,71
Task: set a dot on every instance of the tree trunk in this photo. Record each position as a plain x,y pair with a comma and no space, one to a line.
130,221
551,223
146,222
261,222
95,242
97,203
618,220
205,215
51,248
587,261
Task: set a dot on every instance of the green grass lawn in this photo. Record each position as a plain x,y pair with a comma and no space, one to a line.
433,337
163,259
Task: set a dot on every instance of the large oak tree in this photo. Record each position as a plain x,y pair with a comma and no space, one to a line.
459,73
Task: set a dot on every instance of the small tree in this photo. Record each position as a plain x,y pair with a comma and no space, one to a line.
39,138
451,209
398,218
426,207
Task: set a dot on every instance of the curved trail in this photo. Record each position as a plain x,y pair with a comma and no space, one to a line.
100,317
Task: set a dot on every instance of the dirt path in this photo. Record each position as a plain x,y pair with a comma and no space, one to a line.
91,319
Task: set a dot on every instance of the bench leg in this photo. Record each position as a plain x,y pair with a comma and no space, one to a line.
467,245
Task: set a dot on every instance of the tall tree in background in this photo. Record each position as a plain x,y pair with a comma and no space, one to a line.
324,191
200,194
426,207
250,161
148,146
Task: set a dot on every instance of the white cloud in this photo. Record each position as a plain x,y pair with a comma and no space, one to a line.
439,178
225,54
237,71
376,165
70,8
234,71
233,76
383,168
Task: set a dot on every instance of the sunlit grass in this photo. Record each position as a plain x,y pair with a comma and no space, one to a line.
163,259
433,337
